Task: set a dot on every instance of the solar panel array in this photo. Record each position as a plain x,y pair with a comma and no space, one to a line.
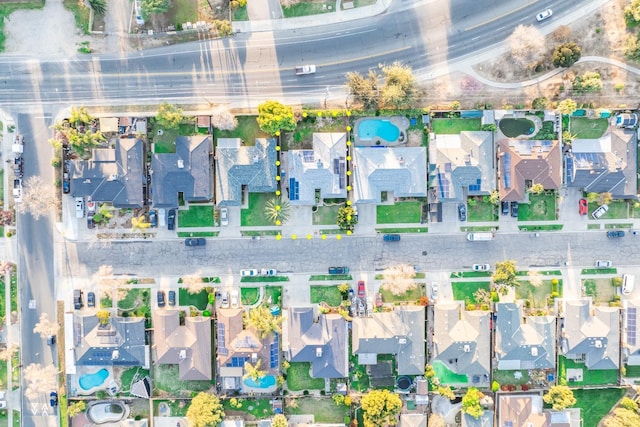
569,170
222,350
476,186
294,189
631,325
274,352
237,362
443,185
308,156
506,170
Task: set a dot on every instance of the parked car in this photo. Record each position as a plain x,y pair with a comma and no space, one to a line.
505,207
79,207
77,299
600,211
51,340
378,299
195,241
545,14
481,267
269,272
434,290
53,399
171,219
462,212
234,298
66,187
153,218
603,263
391,237
172,298
614,234
91,207
91,299
161,300
361,290
224,299
224,216
514,209
91,224
338,270
249,272
583,207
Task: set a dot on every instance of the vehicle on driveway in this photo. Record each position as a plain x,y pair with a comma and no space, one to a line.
153,218
614,234
91,224
77,299
583,207
51,340
514,209
603,263
378,299
481,267
600,211
434,290
462,212
172,298
391,237
224,299
91,299
161,300
545,14
171,219
249,272
224,216
79,207
234,298
505,207
195,241
627,283
361,290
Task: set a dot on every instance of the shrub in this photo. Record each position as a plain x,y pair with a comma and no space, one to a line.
540,103
495,386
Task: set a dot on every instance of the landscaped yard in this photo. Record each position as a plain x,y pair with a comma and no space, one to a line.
594,404
196,216
298,378
462,290
589,377
410,295
541,207
454,126
324,411
601,290
272,295
327,294
447,376
399,213
249,296
536,294
199,300
618,209
306,9
632,371
126,378
505,377
362,381
166,378
325,215
247,130
481,211
257,408
302,136
254,215
585,128
135,301
177,408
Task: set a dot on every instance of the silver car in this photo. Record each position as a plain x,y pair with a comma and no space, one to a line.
603,264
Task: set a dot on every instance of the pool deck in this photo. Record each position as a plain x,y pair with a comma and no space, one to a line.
401,122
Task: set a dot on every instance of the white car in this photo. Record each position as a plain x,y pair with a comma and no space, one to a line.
544,15
434,290
224,299
269,272
234,298
481,267
603,264
249,272
600,211
224,216
79,207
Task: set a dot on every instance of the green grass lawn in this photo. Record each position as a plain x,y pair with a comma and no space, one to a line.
3,371
134,299
247,130
584,128
127,377
399,230
618,209
259,408
454,126
165,143
410,295
256,279
481,211
298,378
80,13
196,216
1,184
462,290
541,207
306,9
240,14
505,377
323,277
323,410
468,274
327,294
632,371
589,377
536,294
594,404
447,376
601,290
254,215
326,215
185,11
16,418
13,288
178,408
399,213
249,296
199,300
166,378
272,295
599,271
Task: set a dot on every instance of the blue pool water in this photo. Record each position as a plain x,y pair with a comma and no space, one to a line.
89,381
371,128
264,382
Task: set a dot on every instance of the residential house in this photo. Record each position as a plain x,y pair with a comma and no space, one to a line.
187,345
186,172
400,332
592,335
320,172
524,162
236,345
630,336
413,420
524,342
120,342
321,341
484,420
400,171
526,410
462,165
244,168
461,342
114,175
604,165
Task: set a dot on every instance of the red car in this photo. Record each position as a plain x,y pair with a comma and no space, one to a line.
361,291
583,207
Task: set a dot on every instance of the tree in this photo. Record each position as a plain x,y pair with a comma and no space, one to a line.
567,106
347,219
471,402
494,197
364,89
622,417
98,6
139,223
169,116
277,210
38,198
399,86
561,34
566,54
263,321
8,352
527,45
505,273
253,371
103,316
39,378
539,103
79,116
279,420
559,397
194,282
274,117
380,408
632,47
588,82
446,391
154,6
205,411
223,119
76,408
628,403
482,296
429,372
605,198
592,197
536,189
632,13
46,327
398,279
222,27
7,217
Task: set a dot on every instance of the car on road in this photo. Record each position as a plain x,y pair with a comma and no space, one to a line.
583,207
269,272
234,298
378,299
600,211
172,298
391,237
224,216
51,340
79,207
481,267
249,272
614,234
224,299
361,290
195,241
462,212
338,270
91,299
434,290
77,299
153,218
161,300
545,14
514,209
53,399
171,219
66,187
505,207
603,263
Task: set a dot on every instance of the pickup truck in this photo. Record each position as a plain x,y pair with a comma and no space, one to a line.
305,69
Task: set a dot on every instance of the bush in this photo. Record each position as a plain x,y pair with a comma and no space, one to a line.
495,386
566,54
540,103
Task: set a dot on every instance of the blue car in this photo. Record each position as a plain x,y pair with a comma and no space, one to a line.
153,218
391,237
53,399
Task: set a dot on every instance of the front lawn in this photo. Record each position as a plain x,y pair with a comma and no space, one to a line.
272,295
589,377
618,209
480,211
135,301
595,404
249,296
325,215
541,207
410,295
399,213
254,215
196,216
536,294
601,290
199,300
306,9
462,290
298,378
327,294
454,126
324,410
247,130
585,128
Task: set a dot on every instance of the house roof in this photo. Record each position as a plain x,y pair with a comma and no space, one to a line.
120,343
113,175
322,343
604,165
413,420
462,340
462,162
400,332
253,167
108,124
524,342
322,168
631,334
521,410
187,171
400,170
539,162
188,346
484,420
593,332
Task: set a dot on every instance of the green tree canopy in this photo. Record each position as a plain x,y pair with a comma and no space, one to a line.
632,13
169,116
623,417
567,106
274,117
399,85
346,218
471,402
149,7
76,408
566,54
205,411
559,397
264,322
380,408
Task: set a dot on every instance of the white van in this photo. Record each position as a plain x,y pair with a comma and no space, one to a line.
486,235
627,283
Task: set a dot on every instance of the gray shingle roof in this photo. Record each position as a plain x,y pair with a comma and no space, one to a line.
524,342
251,166
113,175
186,171
323,343
400,332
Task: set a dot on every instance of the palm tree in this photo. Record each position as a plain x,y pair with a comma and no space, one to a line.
105,211
253,371
139,223
277,209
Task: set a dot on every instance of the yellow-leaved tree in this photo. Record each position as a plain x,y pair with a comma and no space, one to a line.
381,408
205,411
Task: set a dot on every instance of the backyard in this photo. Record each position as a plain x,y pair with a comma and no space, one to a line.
589,377
324,411
514,128
399,213
325,215
166,379
594,404
165,141
480,210
196,216
454,126
462,290
254,215
601,290
413,294
298,378
541,207
585,128
302,136
327,294
447,376
177,408
127,376
505,377
256,408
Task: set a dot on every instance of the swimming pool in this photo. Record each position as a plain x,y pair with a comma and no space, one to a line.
90,381
369,129
264,382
